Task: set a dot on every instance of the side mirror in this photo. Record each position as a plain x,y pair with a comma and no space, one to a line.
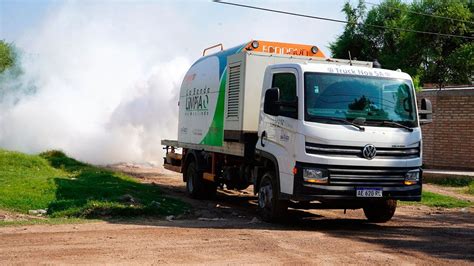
271,102
426,112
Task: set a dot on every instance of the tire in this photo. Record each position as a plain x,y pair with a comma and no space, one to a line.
196,186
381,211
271,208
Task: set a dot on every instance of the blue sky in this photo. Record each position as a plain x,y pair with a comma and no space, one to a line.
22,16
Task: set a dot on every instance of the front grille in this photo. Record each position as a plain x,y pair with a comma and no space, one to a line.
353,151
367,176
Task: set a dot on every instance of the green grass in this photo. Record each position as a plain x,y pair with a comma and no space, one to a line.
452,181
437,200
470,189
69,188
50,221
465,182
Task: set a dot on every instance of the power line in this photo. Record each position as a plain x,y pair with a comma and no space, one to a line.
341,21
422,14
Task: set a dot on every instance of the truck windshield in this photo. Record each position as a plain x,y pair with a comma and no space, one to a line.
371,100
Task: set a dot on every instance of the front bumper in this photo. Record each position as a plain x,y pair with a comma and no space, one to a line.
343,182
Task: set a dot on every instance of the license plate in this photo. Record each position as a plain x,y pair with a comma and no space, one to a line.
369,193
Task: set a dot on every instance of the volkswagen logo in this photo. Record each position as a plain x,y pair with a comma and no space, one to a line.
369,151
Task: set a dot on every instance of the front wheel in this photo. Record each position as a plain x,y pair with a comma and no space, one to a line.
381,211
271,207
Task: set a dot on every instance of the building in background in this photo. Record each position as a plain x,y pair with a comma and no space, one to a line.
448,142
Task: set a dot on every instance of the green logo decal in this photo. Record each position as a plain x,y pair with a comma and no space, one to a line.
214,136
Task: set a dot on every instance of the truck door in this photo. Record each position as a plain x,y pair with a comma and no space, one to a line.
277,133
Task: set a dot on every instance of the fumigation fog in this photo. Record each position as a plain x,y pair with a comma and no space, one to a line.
101,83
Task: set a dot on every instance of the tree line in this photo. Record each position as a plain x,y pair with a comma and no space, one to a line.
428,58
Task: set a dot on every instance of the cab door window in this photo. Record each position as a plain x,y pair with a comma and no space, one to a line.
286,82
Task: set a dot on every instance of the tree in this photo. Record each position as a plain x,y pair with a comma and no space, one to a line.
461,62
352,40
431,58
10,73
436,51
6,56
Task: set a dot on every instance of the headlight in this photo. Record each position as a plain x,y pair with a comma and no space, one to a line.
314,176
412,177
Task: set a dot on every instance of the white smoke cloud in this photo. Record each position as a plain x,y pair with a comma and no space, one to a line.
105,84
101,81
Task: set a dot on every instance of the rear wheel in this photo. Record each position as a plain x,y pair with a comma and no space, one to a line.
380,211
271,207
196,186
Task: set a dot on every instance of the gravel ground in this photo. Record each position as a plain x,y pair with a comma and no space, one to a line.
226,231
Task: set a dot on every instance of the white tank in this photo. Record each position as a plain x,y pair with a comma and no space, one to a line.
210,105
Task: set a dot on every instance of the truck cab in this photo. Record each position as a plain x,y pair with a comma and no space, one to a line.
342,135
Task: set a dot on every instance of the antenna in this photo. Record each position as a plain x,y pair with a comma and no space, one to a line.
350,58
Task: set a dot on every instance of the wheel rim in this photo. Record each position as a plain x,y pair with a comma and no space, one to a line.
265,196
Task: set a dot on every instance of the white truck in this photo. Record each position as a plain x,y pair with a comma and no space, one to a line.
303,129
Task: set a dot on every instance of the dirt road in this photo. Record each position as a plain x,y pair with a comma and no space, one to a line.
225,231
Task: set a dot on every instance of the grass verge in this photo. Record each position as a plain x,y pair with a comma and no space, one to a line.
470,189
437,200
50,221
451,181
467,183
70,188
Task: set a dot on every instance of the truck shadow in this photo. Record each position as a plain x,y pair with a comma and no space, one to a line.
443,239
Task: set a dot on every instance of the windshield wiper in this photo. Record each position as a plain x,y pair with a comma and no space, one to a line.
393,123
344,121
